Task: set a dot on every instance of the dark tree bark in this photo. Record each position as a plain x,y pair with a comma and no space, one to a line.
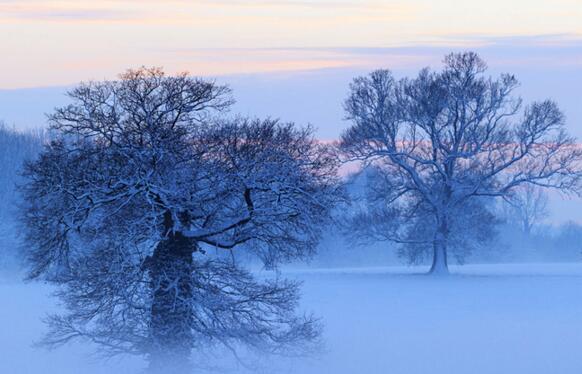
439,260
171,315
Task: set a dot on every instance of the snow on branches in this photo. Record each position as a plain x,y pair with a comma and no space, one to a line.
143,178
444,140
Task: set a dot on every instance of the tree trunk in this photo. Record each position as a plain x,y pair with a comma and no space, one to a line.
439,260
171,337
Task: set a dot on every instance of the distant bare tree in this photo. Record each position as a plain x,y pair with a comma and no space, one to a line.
123,206
472,227
444,139
528,207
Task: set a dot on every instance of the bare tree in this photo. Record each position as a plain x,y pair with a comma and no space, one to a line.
444,139
472,227
123,206
528,207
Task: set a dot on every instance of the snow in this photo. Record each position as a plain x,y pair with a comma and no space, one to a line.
24,307
487,319
482,319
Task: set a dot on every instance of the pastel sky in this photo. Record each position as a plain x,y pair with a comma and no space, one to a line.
45,43
288,59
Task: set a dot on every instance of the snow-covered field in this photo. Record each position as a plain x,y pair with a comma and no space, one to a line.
491,319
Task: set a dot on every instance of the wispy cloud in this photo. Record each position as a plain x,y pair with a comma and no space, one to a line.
81,39
66,11
152,10
327,4
545,40
221,61
547,51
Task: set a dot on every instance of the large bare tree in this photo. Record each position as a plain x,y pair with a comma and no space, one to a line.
445,140
141,181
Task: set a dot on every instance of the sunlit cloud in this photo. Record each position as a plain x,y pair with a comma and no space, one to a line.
65,11
184,11
79,40
263,60
327,4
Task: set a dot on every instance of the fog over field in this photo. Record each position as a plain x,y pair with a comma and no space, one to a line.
490,318
336,187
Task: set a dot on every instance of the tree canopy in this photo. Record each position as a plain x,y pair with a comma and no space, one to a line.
143,178
445,139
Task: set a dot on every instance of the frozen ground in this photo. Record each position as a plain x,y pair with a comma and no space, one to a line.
484,319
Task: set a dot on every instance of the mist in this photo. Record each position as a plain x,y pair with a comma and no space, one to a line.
510,304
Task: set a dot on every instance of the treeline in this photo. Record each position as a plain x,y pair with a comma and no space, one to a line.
15,148
510,242
548,243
